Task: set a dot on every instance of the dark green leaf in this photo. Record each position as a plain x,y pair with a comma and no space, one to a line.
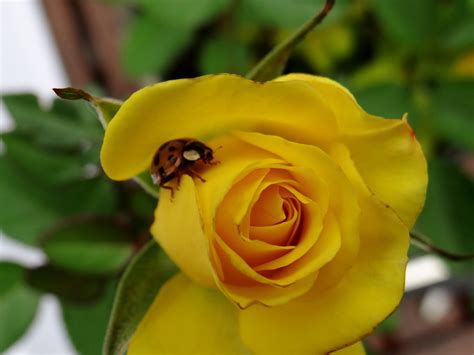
453,112
151,47
273,64
66,285
42,163
411,23
142,280
385,100
87,323
143,205
18,304
285,13
224,55
456,27
447,216
26,216
49,127
33,206
87,246
106,109
184,14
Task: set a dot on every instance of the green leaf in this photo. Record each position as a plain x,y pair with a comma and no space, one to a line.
49,127
273,64
184,14
87,246
48,165
224,55
456,28
453,112
33,206
410,23
26,216
18,304
447,216
67,285
143,205
87,323
151,47
142,280
284,13
386,100
106,109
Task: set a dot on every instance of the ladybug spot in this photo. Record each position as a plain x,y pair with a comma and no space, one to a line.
172,158
172,149
156,159
161,171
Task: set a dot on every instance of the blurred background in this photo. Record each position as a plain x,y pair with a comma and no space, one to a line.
67,232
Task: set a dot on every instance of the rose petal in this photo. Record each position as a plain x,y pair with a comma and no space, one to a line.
187,319
206,107
396,171
342,197
325,319
178,229
322,252
244,288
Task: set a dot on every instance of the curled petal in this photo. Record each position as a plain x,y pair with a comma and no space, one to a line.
396,170
207,107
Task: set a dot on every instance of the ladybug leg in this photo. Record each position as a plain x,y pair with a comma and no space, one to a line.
178,179
193,173
168,188
214,162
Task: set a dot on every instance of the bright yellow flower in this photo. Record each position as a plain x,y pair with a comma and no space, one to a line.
303,225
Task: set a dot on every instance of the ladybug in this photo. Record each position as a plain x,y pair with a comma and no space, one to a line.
177,157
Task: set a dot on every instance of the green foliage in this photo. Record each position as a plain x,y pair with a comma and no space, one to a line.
53,127
274,63
185,14
88,246
67,285
385,100
151,48
137,290
408,22
453,112
18,304
284,13
33,206
155,40
447,216
56,198
224,55
87,323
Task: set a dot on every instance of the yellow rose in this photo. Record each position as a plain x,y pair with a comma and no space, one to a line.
303,225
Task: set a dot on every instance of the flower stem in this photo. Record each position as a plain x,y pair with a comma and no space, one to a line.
423,243
274,62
